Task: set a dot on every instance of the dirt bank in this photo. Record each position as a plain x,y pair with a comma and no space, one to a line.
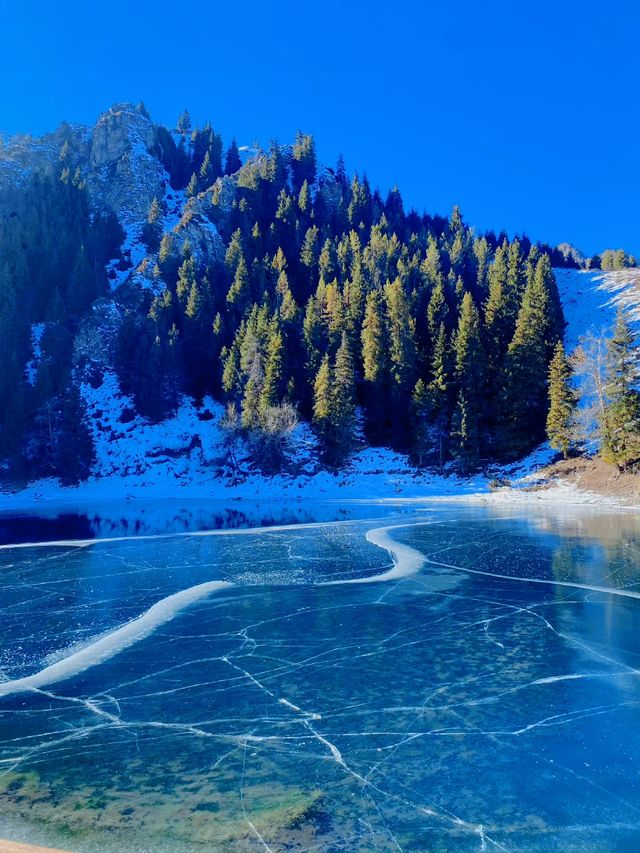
591,474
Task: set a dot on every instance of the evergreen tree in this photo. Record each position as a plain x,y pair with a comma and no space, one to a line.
238,294
343,402
186,279
402,355
562,402
375,366
499,311
152,231
74,452
271,389
621,428
524,401
184,123
421,421
326,294
322,401
309,252
304,200
253,393
232,162
439,391
374,344
303,164
192,186
438,310
470,377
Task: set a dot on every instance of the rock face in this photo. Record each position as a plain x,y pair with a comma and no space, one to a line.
124,174
117,131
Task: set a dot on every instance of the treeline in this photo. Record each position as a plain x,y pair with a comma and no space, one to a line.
333,300
613,259
329,302
52,269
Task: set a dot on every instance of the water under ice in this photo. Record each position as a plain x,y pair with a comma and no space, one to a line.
460,679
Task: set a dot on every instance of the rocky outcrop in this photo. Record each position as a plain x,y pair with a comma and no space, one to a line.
119,130
197,227
124,175
121,164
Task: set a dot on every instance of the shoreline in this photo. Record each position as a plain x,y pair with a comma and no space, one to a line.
370,479
72,502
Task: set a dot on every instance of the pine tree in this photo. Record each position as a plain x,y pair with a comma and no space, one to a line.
304,200
343,402
421,405
439,390
621,428
432,264
524,400
437,310
355,297
74,453
232,161
498,312
238,294
253,393
184,123
309,252
516,281
192,186
166,248
206,173
303,164
231,375
402,355
199,302
482,252
186,279
152,231
562,402
273,369
313,338
470,376
374,345
322,404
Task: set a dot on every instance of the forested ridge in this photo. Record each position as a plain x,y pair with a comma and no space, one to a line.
327,302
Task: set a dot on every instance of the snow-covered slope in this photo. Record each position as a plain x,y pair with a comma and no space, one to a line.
183,457
591,299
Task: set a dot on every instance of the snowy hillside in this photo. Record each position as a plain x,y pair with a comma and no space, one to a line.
590,300
184,457
129,166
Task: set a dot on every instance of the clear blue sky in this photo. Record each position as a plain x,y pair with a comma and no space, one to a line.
525,114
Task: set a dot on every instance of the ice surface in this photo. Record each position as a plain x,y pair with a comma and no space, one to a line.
479,692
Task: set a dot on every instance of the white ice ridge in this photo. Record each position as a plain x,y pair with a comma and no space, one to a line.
407,561
114,642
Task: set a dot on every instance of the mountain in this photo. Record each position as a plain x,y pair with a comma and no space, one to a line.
171,306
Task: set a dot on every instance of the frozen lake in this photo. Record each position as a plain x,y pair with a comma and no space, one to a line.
441,679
